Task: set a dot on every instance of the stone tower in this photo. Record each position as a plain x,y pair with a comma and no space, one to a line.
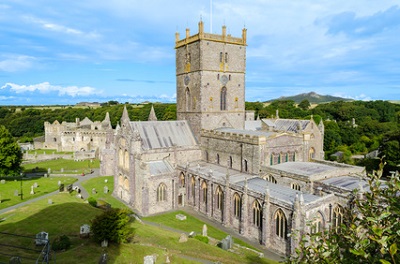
210,79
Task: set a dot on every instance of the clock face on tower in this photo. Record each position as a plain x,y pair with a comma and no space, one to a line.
186,80
224,79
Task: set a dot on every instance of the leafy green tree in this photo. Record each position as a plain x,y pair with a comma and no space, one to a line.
10,154
304,105
370,233
112,225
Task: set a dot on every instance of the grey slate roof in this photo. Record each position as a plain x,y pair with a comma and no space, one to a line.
287,125
304,168
159,167
348,183
246,132
252,125
164,134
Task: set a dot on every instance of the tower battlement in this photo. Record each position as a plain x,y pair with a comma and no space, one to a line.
201,35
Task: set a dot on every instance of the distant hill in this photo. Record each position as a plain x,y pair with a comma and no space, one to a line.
312,97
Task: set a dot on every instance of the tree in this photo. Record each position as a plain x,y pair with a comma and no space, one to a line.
304,105
10,154
112,225
370,233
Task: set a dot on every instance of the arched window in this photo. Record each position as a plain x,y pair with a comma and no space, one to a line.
312,153
223,98
121,180
206,155
193,187
161,193
317,223
270,178
271,160
204,192
217,160
230,162
287,157
126,184
126,160
220,198
237,205
279,158
257,214
187,99
295,186
245,166
121,158
182,180
221,55
280,224
337,217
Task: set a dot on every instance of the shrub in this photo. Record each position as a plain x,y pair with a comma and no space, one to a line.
61,243
92,201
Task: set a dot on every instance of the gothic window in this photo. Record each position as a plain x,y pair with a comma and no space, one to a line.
226,57
279,158
204,192
271,160
317,224
223,98
270,178
257,214
237,205
245,166
121,157
337,217
126,160
221,55
286,157
295,186
220,198
206,155
189,58
187,99
280,224
126,183
182,180
193,188
217,160
161,193
230,162
312,153
55,139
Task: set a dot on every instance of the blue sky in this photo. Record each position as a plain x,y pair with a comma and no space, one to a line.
64,52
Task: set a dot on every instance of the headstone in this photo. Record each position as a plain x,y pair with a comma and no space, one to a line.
61,187
183,238
16,193
3,181
192,234
106,189
41,239
15,260
104,243
84,231
35,185
45,175
49,170
62,170
69,188
94,191
180,217
224,244
105,180
50,201
103,258
59,183
150,259
167,259
204,233
229,240
32,191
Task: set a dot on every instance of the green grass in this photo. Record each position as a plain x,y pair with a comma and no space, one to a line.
69,166
98,183
45,185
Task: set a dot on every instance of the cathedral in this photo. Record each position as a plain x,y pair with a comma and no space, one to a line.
263,178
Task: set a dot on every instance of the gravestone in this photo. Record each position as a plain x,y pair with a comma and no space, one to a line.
45,175
94,191
69,188
204,233
15,260
62,170
183,238
84,231
3,181
150,259
103,258
230,241
61,187
224,244
16,193
167,259
50,201
49,171
41,238
180,217
192,234
59,183
106,189
35,185
104,243
32,191
105,180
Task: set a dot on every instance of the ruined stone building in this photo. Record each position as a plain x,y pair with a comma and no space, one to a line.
262,178
81,136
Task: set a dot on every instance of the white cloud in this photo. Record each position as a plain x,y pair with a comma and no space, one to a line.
46,87
16,63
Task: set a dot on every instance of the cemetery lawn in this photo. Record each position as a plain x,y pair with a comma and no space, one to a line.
10,188
69,166
67,214
47,151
